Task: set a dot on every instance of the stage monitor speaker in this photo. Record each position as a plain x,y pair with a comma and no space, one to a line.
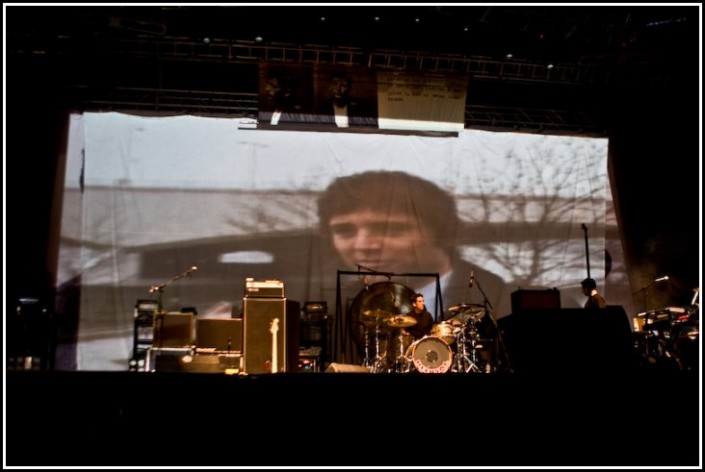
261,342
348,368
173,329
535,299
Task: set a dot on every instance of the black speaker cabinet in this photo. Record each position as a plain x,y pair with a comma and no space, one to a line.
262,341
569,340
535,299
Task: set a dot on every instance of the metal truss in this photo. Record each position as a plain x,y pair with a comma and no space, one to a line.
249,51
169,100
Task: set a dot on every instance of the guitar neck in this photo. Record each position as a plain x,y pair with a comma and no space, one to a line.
274,329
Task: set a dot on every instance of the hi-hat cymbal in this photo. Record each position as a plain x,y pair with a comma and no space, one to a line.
401,321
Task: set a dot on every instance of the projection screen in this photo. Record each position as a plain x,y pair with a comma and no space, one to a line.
146,198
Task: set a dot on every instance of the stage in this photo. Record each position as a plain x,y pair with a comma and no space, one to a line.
631,418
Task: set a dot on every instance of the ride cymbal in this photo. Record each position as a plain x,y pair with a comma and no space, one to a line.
375,316
401,321
466,312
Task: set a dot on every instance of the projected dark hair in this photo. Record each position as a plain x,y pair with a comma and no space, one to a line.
395,193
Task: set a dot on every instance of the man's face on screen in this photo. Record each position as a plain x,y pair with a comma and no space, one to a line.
385,242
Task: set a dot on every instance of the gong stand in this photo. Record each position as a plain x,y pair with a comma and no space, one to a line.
341,335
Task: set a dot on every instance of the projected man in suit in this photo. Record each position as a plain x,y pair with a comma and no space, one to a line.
398,223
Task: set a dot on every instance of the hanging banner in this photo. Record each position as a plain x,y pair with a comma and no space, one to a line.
422,102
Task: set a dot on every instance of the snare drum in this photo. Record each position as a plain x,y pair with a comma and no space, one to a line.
430,355
444,330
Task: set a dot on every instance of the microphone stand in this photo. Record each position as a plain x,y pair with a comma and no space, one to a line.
488,309
160,291
645,289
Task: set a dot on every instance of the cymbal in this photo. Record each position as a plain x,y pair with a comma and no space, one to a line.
376,315
387,297
401,321
466,312
463,307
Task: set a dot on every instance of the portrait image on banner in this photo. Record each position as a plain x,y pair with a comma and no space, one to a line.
345,96
285,94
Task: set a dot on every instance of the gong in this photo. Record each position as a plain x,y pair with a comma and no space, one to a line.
373,308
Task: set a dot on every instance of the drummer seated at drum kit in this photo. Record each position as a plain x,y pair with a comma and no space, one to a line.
409,327
424,320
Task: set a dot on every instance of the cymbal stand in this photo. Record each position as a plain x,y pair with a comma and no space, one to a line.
500,337
400,364
377,365
367,362
462,360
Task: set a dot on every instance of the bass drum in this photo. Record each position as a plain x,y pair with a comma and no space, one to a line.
430,355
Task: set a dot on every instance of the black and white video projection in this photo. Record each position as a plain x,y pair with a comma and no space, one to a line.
147,198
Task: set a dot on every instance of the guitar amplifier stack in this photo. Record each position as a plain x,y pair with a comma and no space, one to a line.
270,328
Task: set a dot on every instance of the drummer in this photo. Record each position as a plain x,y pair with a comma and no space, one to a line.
424,320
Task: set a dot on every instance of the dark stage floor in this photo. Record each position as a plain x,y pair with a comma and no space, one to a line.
635,418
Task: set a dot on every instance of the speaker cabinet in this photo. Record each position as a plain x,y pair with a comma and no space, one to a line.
569,340
262,341
173,329
219,335
535,300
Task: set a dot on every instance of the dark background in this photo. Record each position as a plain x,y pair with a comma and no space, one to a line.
639,85
642,62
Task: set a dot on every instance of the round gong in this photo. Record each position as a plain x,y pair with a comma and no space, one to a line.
372,308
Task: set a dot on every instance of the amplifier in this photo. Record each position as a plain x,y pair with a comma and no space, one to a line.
535,300
264,288
158,359
198,363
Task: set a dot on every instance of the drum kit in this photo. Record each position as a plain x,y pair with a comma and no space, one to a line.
454,345
668,337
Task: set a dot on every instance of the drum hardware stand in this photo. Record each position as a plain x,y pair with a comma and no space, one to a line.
462,362
400,362
375,365
488,310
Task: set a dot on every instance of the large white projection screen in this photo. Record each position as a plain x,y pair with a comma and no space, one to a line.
146,198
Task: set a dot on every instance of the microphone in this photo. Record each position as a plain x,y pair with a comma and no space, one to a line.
661,279
472,278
